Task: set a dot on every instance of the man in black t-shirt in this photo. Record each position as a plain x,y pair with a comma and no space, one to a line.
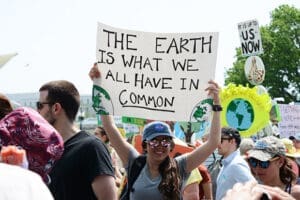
84,170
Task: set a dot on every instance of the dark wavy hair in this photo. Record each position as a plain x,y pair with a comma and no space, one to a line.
5,106
169,186
286,174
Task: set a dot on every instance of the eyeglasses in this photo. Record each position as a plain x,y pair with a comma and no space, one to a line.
40,105
225,138
155,143
262,164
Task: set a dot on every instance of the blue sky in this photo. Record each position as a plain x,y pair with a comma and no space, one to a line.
57,39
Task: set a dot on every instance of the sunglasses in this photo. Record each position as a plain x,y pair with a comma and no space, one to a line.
155,143
40,105
262,164
225,138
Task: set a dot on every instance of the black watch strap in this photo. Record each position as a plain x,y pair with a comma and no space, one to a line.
217,108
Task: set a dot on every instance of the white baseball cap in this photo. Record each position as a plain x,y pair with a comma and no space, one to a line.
295,137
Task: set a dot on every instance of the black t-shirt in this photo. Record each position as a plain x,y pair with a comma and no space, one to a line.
85,157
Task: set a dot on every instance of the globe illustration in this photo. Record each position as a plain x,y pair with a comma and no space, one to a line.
240,114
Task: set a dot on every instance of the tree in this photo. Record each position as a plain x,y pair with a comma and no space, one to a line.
281,57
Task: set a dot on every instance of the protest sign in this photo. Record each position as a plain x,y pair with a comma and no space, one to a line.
250,38
159,76
290,120
5,58
246,109
254,70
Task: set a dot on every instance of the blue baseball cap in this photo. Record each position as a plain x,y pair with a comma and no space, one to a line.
155,129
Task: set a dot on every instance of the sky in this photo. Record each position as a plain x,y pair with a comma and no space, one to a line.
57,39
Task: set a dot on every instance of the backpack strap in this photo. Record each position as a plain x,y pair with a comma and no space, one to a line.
133,172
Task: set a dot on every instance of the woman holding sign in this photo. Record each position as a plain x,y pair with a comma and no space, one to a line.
155,175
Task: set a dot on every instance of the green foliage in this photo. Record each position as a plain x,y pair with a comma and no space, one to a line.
281,57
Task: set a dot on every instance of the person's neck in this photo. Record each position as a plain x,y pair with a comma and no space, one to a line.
229,153
66,129
276,183
153,168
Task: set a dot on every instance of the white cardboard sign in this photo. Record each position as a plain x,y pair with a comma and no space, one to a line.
159,76
290,120
250,38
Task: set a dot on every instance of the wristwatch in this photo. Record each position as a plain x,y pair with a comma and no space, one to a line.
217,108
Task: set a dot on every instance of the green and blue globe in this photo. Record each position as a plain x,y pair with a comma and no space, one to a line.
240,114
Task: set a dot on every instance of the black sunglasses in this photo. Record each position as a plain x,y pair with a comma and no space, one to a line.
225,138
40,105
263,164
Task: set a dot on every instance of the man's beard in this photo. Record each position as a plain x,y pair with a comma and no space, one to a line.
51,120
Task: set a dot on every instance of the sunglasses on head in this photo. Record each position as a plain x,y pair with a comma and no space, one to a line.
263,164
40,105
155,143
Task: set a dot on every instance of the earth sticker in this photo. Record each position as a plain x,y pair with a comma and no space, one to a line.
101,101
202,111
246,109
240,114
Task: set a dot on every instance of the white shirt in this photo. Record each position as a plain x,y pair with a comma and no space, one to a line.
17,183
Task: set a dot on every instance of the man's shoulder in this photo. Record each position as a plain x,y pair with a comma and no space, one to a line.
238,160
84,136
84,139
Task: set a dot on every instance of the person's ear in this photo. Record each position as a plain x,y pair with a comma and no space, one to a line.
144,146
280,162
56,107
172,145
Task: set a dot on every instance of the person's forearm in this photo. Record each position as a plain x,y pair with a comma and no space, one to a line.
119,143
215,130
111,130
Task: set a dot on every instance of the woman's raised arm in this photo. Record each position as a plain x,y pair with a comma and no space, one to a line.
199,155
119,143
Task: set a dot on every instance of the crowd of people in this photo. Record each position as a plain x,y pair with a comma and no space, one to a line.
64,162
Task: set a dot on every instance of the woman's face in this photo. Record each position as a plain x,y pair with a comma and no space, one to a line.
159,148
296,144
266,171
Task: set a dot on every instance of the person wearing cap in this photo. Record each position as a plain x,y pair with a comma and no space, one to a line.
234,167
162,177
269,163
292,155
296,141
296,154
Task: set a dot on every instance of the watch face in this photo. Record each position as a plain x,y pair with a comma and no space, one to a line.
217,108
